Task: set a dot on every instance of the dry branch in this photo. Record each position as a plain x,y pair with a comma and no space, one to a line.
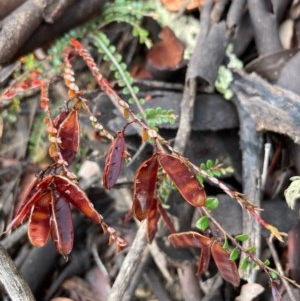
265,27
11,279
35,22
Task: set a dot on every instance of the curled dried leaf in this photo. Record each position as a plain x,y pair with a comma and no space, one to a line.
126,114
68,132
144,187
113,161
39,221
189,239
152,220
226,267
36,191
61,224
76,196
144,135
184,179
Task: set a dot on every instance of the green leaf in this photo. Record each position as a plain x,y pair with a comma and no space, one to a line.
226,244
125,91
118,57
210,173
113,67
209,164
267,262
242,237
244,264
234,255
203,223
123,66
217,173
203,166
200,179
112,48
251,249
135,89
212,203
273,275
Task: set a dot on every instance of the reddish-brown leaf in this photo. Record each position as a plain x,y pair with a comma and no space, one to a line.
39,222
36,190
176,5
194,240
62,231
165,217
73,194
184,179
227,267
189,239
68,132
144,187
152,219
166,54
113,161
204,260
60,118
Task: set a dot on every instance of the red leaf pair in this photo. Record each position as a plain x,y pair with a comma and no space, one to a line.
183,178
145,204
47,205
227,267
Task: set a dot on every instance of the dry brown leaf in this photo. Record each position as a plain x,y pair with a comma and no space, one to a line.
168,53
176,5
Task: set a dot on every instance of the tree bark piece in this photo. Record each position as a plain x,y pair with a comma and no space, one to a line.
235,13
24,30
261,106
265,27
13,282
18,26
210,50
6,7
77,13
251,147
271,107
129,265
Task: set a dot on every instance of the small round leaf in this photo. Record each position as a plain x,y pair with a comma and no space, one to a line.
244,264
226,244
273,275
234,255
209,163
242,237
203,223
212,203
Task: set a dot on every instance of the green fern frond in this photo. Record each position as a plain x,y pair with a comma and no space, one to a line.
130,12
125,80
157,116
